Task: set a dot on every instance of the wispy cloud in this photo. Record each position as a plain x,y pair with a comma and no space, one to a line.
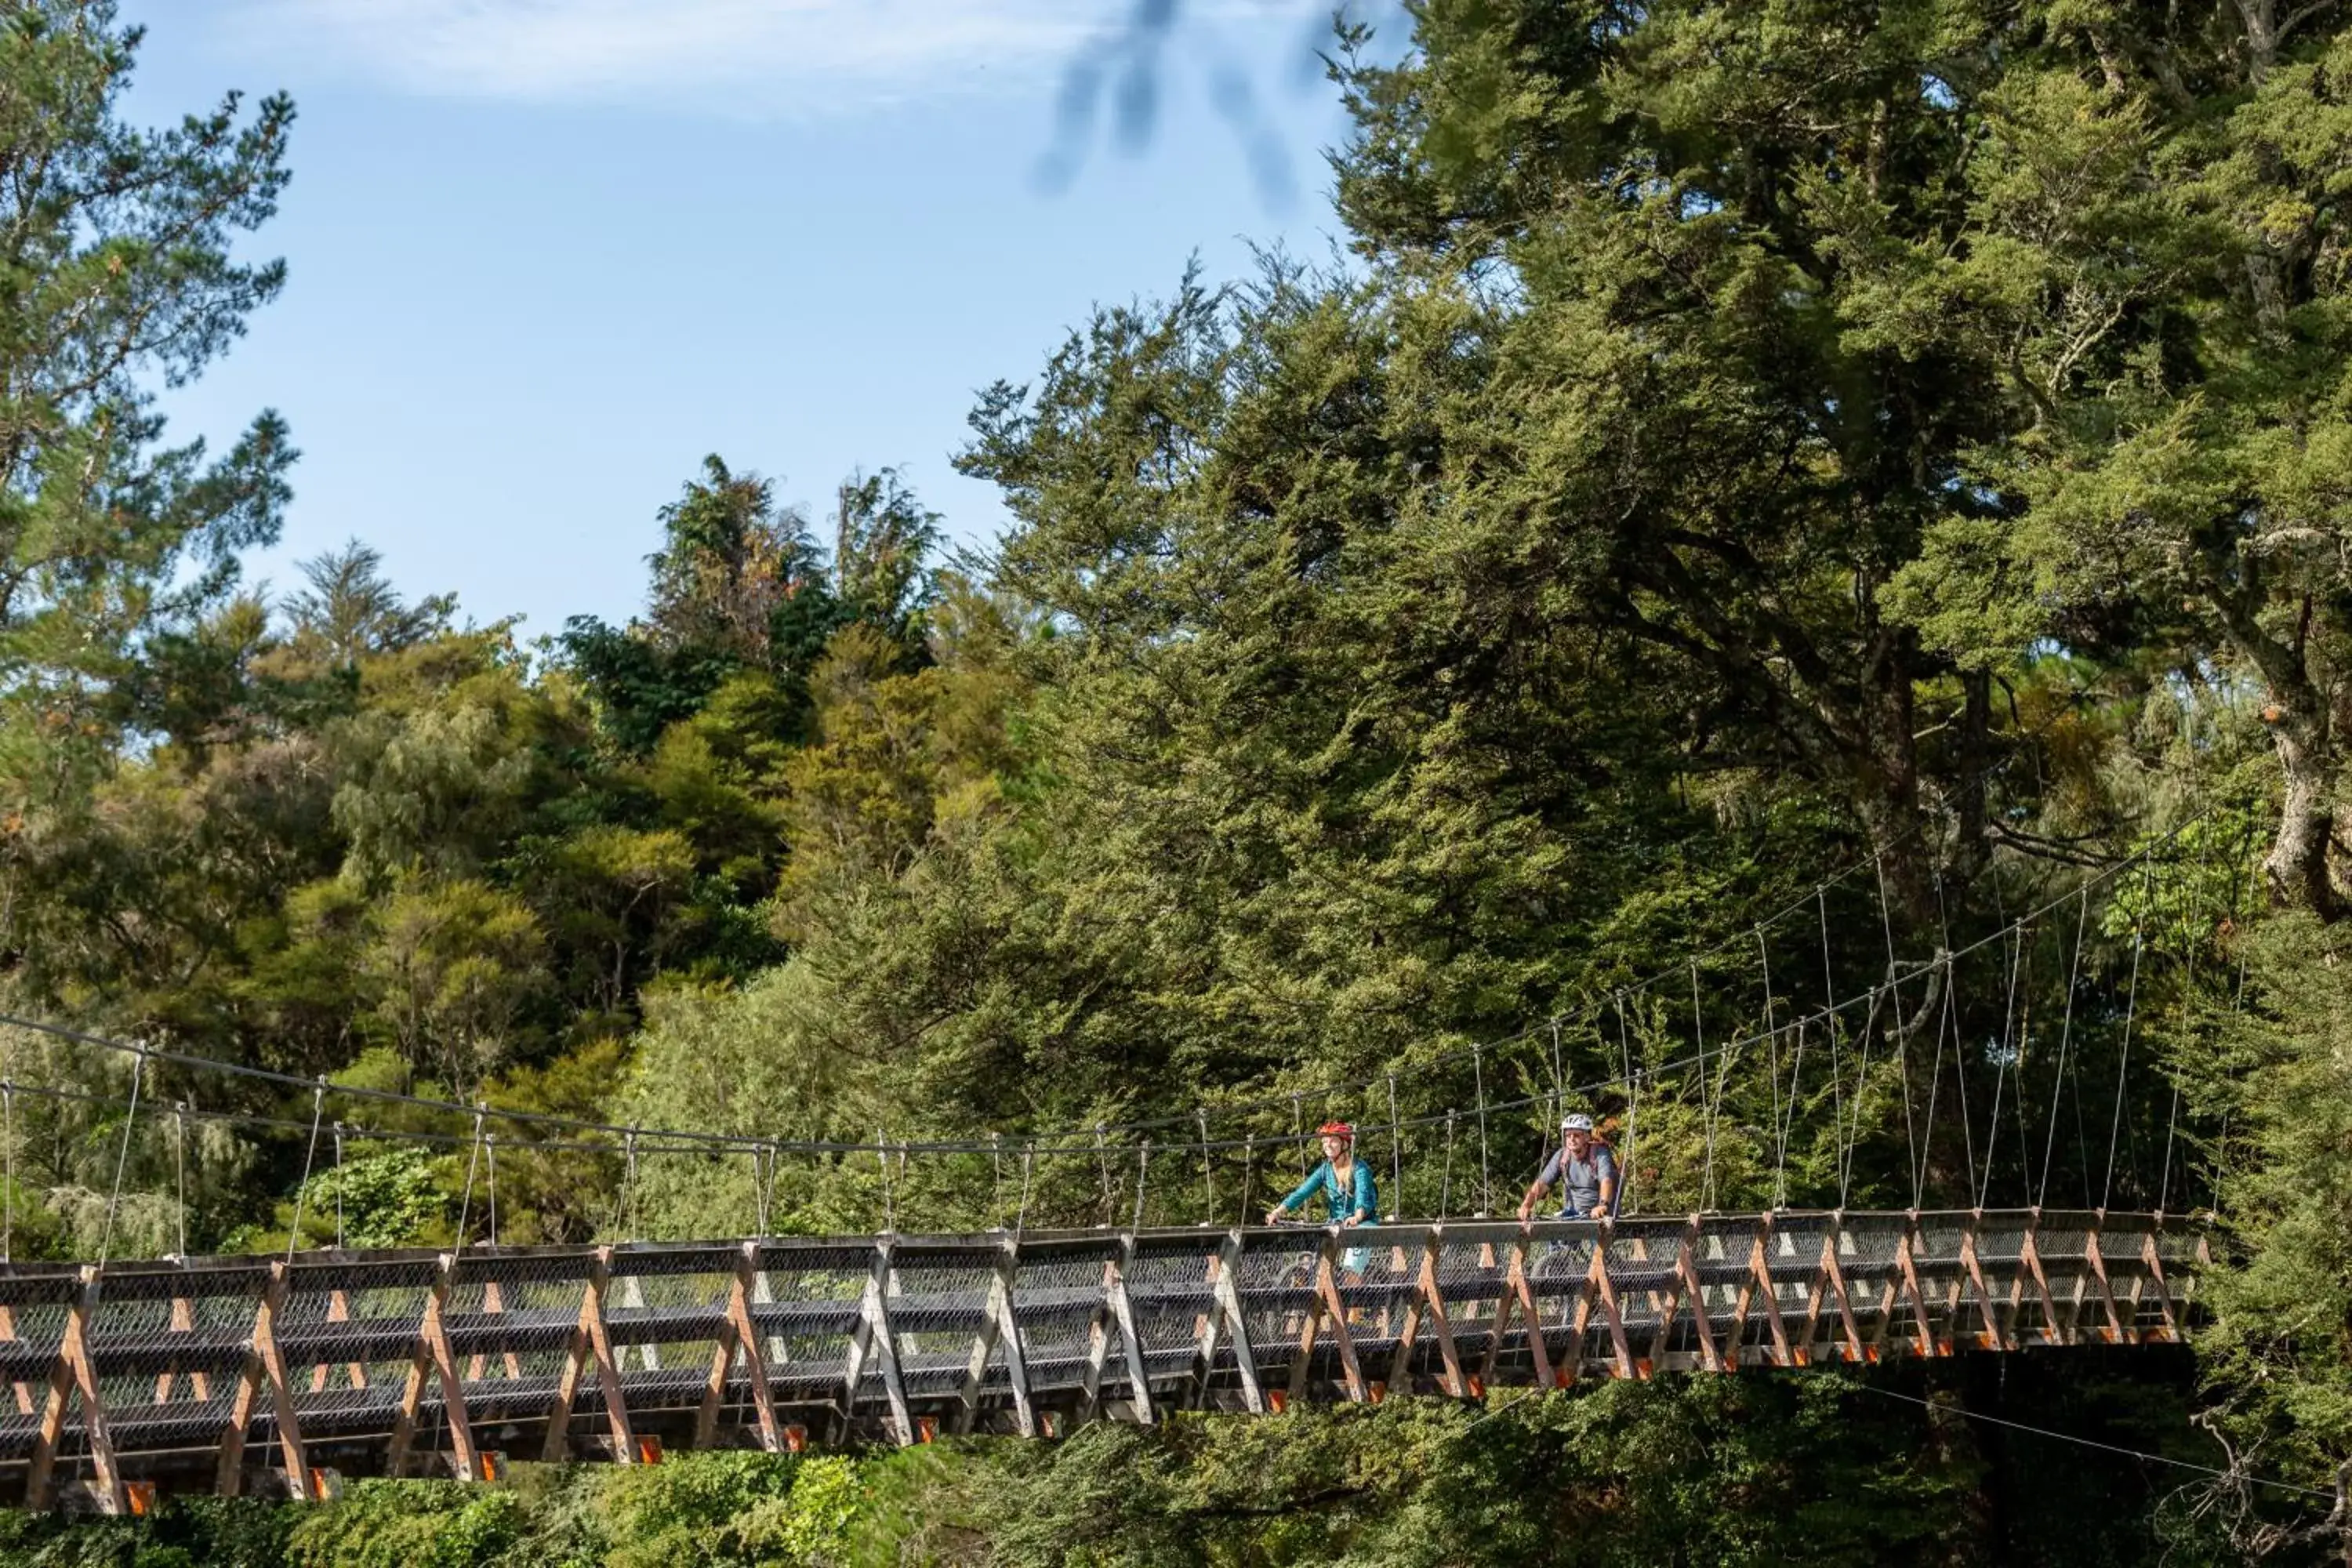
756,57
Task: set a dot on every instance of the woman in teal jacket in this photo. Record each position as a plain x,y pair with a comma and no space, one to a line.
1343,1181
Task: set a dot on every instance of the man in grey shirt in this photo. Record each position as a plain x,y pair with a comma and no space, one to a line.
1585,1171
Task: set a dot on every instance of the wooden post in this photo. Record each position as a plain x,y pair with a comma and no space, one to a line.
1327,1285
1228,1303
592,1345
755,1361
714,1388
72,1374
876,1341
281,1395
998,1328
1439,1318
2117,1328
1995,1330
8,1333
432,1352
1519,1289
1122,1310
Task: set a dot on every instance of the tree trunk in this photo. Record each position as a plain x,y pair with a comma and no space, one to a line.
2298,714
2296,867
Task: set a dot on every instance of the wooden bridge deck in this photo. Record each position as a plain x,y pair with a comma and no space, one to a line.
238,1373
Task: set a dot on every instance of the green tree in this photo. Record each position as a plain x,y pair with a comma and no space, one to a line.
118,252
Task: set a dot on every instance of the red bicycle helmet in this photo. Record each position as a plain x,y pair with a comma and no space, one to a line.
1336,1129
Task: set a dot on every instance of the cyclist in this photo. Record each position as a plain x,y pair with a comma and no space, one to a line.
1341,1180
1585,1170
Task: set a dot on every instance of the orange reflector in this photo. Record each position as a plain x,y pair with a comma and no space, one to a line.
141,1496
1376,1391
1477,1387
795,1439
649,1450
926,1428
1276,1400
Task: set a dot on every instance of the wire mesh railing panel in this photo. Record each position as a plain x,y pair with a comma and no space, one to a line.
1058,1297
1172,1289
1640,1256
938,1303
1276,1282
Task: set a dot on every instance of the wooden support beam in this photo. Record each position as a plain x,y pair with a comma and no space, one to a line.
1759,1282
2117,1328
1907,1272
1122,1311
1693,1289
714,1387
1207,1326
183,1321
1832,1289
576,1360
8,1333
433,1356
1440,1316
1995,1331
1098,1333
281,1393
2055,1330
1335,1306
1000,1330
1229,1304
2153,1256
1520,1290
755,1360
71,1376
1579,1313
878,1343
1600,1282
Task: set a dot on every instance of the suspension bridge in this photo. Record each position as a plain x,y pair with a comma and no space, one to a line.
284,1372
280,1375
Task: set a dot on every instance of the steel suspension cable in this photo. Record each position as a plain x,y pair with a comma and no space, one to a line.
180,1167
1632,1106
1396,1154
1837,1063
2001,1074
309,1154
1028,1164
465,1205
1706,1104
1207,1172
2065,1040
1902,1032
1486,1184
1446,1189
121,1158
1772,1044
2131,1007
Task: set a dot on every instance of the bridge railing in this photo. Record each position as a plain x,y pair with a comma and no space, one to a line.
218,1371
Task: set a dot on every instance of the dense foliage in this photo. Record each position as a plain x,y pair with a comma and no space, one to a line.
1785,501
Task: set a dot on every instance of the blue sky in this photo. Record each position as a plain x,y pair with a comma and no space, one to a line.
545,253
